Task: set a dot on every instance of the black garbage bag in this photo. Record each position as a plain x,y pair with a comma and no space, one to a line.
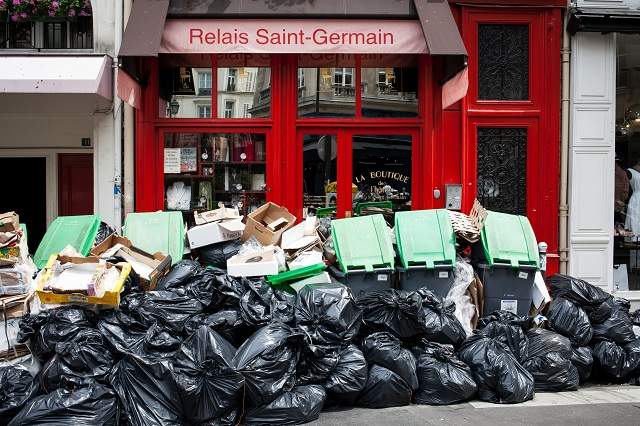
301,404
147,391
617,363
225,290
179,276
16,388
328,313
499,376
635,317
549,361
255,303
570,320
397,312
167,308
283,306
440,322
618,327
92,405
443,379
316,363
50,327
348,377
104,230
506,328
228,323
582,359
207,383
216,255
384,389
596,302
267,360
84,356
386,350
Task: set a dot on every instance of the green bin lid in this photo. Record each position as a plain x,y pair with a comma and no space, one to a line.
425,237
76,231
157,232
296,274
509,239
362,243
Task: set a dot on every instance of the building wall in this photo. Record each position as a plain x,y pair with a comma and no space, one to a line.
609,4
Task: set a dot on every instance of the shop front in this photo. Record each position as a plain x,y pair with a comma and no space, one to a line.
317,109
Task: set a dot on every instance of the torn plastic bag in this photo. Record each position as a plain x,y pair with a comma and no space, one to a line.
440,322
49,327
443,379
398,312
549,361
316,363
618,327
207,383
216,255
595,301
267,360
91,405
582,359
386,350
465,309
167,308
384,389
179,275
17,386
618,363
570,320
499,376
348,377
255,303
301,404
228,323
147,391
85,356
505,327
328,313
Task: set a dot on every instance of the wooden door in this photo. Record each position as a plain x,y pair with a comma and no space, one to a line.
75,184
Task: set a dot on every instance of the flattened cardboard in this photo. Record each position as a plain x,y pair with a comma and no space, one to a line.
215,232
258,221
159,261
9,221
216,215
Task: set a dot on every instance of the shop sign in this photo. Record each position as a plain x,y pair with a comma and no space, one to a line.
292,36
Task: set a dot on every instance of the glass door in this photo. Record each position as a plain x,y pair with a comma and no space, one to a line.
318,159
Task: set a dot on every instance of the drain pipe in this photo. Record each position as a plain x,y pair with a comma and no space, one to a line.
129,119
563,249
117,119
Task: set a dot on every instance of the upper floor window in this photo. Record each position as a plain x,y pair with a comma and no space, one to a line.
204,83
231,79
76,33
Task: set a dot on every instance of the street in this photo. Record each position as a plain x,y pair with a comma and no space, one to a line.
594,405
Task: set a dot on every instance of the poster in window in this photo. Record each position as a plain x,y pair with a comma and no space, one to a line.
188,160
172,160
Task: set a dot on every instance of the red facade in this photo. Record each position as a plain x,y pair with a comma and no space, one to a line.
444,142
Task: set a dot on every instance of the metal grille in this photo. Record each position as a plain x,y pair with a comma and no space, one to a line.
82,33
55,35
503,62
502,169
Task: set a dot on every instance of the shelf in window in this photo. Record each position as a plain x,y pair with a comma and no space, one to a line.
185,176
239,163
239,192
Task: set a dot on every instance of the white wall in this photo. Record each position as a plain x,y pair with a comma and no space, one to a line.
592,155
609,4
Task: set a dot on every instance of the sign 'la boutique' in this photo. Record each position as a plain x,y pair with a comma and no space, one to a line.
292,36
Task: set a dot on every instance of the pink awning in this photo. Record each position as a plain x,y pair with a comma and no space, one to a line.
128,89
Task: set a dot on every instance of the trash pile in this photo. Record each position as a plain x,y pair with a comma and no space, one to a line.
249,326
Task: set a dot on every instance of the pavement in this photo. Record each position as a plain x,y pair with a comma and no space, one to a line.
594,405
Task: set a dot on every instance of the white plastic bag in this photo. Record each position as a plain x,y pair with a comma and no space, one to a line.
465,310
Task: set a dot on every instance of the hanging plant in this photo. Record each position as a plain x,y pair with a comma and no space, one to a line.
33,10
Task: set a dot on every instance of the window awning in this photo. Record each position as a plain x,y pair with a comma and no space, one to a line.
57,75
601,20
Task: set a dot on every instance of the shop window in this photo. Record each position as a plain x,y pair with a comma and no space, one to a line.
203,169
502,169
181,89
382,169
626,261
319,175
246,86
204,111
503,62
390,89
55,35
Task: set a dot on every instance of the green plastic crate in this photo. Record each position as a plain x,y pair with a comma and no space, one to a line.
509,239
157,232
296,274
362,243
76,231
425,238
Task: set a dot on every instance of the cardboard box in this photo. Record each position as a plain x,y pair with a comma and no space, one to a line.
215,232
253,265
216,215
16,306
159,263
259,220
9,221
